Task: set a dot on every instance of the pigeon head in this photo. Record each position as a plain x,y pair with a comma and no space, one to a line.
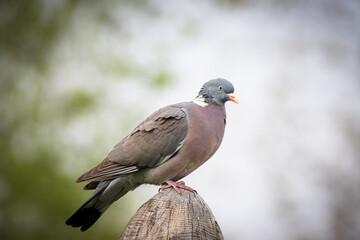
218,91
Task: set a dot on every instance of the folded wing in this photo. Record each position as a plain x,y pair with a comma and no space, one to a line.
150,144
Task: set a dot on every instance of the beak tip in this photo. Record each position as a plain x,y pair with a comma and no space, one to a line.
233,98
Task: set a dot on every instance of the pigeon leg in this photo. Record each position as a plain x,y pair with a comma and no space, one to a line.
176,186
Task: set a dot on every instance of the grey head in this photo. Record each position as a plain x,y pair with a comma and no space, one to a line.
218,91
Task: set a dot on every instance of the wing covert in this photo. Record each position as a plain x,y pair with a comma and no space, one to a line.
151,143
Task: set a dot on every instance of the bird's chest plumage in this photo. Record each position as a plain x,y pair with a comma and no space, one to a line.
205,133
206,127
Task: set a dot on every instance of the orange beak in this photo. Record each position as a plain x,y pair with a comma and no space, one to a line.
233,98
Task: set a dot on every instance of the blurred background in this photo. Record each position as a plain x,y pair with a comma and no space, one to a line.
77,76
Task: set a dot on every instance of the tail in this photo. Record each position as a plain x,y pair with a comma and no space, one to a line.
105,194
88,214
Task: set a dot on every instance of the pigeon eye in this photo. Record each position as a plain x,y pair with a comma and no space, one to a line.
220,88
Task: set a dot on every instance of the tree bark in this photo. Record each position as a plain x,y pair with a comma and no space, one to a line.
169,215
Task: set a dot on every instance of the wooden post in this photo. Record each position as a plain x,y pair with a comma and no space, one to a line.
169,215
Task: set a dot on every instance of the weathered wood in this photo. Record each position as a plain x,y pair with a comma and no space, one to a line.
169,215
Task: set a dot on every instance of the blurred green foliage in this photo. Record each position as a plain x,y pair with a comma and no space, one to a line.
35,197
161,79
77,102
29,29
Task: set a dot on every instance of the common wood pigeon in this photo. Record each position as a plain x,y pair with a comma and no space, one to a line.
170,144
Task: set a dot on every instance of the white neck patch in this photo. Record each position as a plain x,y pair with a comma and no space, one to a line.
200,100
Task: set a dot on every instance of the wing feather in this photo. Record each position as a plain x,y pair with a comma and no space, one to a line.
151,143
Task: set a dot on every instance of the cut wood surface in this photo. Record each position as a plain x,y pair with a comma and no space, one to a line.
169,215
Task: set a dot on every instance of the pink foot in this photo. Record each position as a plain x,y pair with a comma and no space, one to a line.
176,186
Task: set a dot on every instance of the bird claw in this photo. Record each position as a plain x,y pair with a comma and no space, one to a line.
176,186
